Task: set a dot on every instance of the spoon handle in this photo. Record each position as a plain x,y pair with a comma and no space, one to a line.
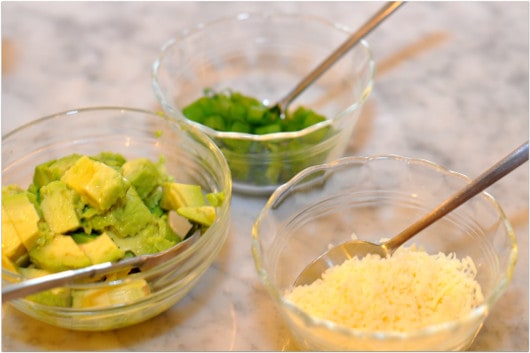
93,272
372,23
490,176
38,284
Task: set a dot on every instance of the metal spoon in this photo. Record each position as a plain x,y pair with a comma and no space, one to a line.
352,248
373,22
94,272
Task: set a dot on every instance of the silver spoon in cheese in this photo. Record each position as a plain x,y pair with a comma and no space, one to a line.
352,248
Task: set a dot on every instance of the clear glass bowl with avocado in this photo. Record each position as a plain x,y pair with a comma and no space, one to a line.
121,183
226,87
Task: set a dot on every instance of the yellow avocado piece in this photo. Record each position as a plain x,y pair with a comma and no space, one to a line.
60,254
176,195
23,216
98,183
102,249
12,247
58,207
8,265
204,215
113,295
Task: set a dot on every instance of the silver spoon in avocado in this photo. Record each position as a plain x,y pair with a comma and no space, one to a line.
95,272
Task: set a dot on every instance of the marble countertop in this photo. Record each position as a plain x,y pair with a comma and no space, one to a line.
451,86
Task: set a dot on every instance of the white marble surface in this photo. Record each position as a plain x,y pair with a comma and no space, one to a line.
452,87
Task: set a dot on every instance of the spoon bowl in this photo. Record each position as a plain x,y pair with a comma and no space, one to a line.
358,248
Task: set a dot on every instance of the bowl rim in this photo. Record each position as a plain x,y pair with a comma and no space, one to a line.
223,211
480,311
245,16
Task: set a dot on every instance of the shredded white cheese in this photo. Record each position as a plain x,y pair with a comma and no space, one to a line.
407,291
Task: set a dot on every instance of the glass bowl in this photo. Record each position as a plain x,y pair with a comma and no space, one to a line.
264,55
191,157
375,198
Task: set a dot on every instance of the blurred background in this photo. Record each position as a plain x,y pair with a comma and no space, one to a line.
451,86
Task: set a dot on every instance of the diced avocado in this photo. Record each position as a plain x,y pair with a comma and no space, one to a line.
215,198
23,216
204,215
156,237
54,297
53,170
176,195
114,160
60,254
102,249
8,265
114,295
12,247
100,184
130,215
143,175
81,238
152,201
58,207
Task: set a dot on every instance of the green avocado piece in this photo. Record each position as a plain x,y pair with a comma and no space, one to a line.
53,170
61,253
204,215
114,160
98,183
23,216
155,237
58,205
81,238
130,215
60,296
143,175
102,249
176,195
215,199
126,218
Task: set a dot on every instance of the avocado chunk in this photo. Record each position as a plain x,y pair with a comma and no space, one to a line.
61,253
102,249
53,170
124,294
176,195
143,174
23,215
131,215
215,198
98,183
126,218
58,207
8,265
114,160
155,237
54,297
12,247
204,215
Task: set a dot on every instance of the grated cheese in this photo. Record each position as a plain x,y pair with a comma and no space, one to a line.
407,291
